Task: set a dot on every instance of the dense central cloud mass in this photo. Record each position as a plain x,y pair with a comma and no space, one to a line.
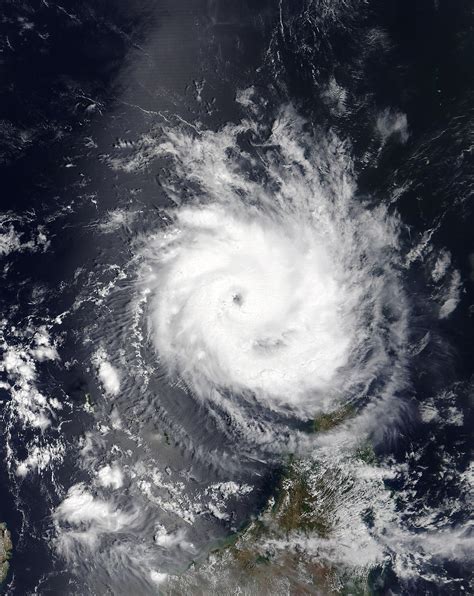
251,304
273,281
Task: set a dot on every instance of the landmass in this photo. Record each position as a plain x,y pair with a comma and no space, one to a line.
269,555
5,551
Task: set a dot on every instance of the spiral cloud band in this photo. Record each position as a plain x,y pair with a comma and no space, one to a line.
272,282
251,304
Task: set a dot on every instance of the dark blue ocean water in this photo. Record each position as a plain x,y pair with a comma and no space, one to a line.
80,78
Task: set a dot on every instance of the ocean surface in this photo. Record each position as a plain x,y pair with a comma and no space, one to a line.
237,265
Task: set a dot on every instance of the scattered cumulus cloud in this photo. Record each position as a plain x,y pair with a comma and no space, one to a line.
13,239
116,219
392,123
110,476
83,517
441,265
19,361
452,296
108,375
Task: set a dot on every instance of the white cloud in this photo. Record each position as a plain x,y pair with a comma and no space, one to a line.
441,266
452,296
12,239
40,458
116,219
19,363
83,518
9,241
390,122
107,373
270,298
245,97
109,377
110,476
157,577
167,539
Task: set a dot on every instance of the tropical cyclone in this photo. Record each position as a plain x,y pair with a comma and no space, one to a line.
274,282
252,304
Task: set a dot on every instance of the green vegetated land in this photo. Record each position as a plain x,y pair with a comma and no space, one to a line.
329,421
268,555
5,551
302,511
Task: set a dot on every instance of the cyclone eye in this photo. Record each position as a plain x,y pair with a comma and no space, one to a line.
260,298
268,345
238,299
